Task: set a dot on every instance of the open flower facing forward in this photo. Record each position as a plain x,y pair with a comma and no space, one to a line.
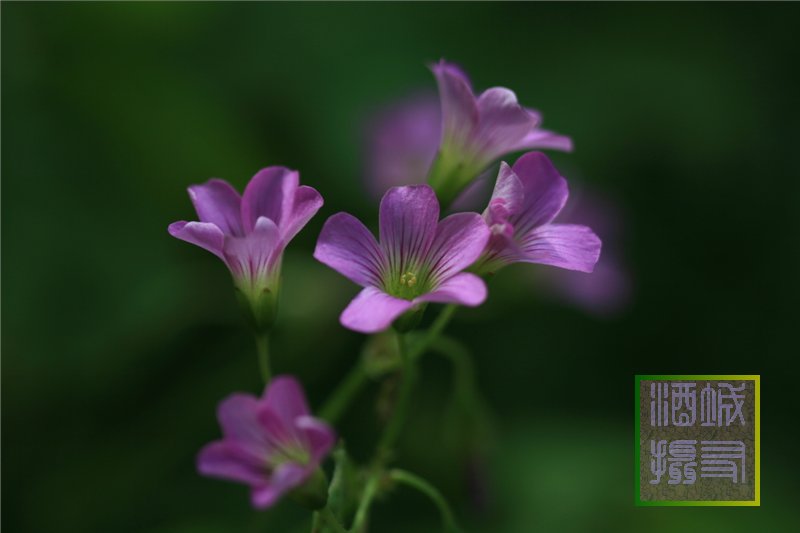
520,216
418,260
479,129
250,232
271,444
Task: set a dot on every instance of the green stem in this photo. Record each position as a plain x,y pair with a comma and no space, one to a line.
398,417
329,518
341,398
367,496
462,365
262,348
414,481
393,428
434,331
344,394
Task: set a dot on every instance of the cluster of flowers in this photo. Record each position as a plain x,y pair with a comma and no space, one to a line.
273,444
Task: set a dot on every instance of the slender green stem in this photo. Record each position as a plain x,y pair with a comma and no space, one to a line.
262,348
458,355
398,417
367,496
344,394
327,516
434,331
414,481
341,398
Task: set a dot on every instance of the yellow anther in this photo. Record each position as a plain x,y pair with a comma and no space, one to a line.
409,279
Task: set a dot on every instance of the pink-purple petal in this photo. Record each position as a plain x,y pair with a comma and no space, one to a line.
284,478
319,436
507,197
253,255
225,460
569,246
239,417
285,397
203,234
373,310
349,248
545,191
218,203
408,218
463,289
459,241
540,139
401,143
459,109
306,203
503,122
269,194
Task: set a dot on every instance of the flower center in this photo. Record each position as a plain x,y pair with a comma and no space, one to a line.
409,279
288,454
408,285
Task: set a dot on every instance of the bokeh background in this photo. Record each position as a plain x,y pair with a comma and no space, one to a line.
118,341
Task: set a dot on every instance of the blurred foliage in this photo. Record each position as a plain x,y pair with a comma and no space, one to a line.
118,341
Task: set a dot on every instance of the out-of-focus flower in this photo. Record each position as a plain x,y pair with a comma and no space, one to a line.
608,290
272,444
418,260
477,130
250,232
525,201
401,142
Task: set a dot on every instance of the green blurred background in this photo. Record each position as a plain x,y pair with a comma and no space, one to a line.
118,341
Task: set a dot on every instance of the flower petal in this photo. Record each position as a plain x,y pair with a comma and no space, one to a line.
349,248
401,143
459,109
318,434
218,203
507,197
540,139
285,397
286,477
459,241
569,246
307,202
408,218
239,417
203,234
463,289
254,254
545,191
503,122
269,194
373,310
225,460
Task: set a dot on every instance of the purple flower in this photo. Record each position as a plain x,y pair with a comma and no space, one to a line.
609,290
418,260
271,443
249,233
401,142
525,201
477,130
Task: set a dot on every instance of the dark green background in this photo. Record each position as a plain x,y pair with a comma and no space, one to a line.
118,341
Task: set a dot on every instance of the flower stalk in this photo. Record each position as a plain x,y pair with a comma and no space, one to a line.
414,481
262,350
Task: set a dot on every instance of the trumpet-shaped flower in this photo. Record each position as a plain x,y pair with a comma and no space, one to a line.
520,216
479,129
419,259
272,444
250,232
